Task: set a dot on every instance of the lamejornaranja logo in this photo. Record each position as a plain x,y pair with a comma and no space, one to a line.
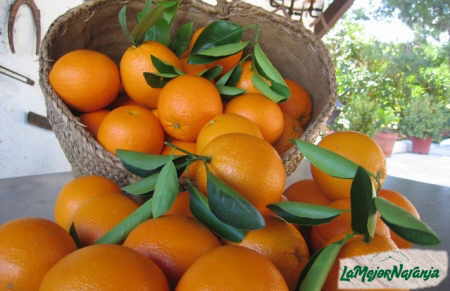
395,269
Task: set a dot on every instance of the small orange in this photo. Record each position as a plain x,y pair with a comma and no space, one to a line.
357,147
92,120
192,69
248,164
262,111
29,247
181,205
99,215
75,193
86,80
299,104
292,130
173,242
185,104
306,191
403,202
133,128
283,244
245,81
106,268
223,124
232,268
135,62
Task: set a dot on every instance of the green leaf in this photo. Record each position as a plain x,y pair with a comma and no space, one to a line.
405,224
143,12
230,207
142,187
266,89
231,78
120,232
316,271
124,23
217,33
362,204
265,67
304,213
331,163
182,38
142,164
166,190
212,73
76,238
230,91
155,80
224,50
160,31
200,209
165,68
198,60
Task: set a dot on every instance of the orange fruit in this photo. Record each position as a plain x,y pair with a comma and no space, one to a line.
403,202
92,120
283,244
245,81
292,130
99,215
306,191
248,164
85,80
232,268
299,104
133,128
192,69
357,247
223,124
29,247
75,193
262,111
358,148
322,233
181,205
106,268
173,242
185,104
135,62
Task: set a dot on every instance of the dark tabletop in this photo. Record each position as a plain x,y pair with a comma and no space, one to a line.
35,195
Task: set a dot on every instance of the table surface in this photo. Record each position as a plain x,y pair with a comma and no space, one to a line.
35,195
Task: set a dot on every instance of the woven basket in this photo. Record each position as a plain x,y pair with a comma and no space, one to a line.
296,52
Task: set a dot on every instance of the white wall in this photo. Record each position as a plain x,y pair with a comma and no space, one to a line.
25,149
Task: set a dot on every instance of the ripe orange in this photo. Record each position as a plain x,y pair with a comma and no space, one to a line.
223,124
245,81
100,214
135,62
403,202
283,244
357,247
173,242
262,111
92,120
86,80
133,128
292,130
75,193
357,147
181,205
322,233
192,69
248,164
306,191
29,247
299,104
232,268
185,104
106,268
